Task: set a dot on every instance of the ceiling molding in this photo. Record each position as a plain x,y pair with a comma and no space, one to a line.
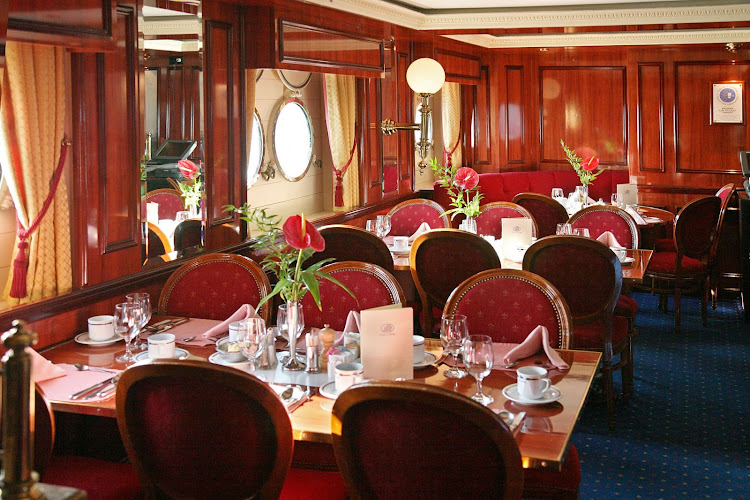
169,45
178,26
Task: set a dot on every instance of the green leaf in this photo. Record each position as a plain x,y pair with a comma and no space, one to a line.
311,283
318,265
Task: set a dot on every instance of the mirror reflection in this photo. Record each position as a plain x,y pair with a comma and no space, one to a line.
292,139
257,150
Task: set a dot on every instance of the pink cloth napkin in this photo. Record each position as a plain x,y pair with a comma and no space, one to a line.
423,228
195,328
42,369
72,381
245,311
609,239
538,338
636,216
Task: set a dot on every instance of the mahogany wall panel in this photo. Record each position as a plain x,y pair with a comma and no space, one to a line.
651,117
694,131
514,115
405,115
459,66
586,107
370,173
479,127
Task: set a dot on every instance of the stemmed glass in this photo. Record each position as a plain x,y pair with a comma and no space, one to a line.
142,300
283,326
558,193
252,338
383,225
126,320
371,226
453,330
479,358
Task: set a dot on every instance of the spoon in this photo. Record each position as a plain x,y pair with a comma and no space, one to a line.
84,368
287,394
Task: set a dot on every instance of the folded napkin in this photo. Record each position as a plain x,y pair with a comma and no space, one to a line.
609,239
195,329
635,215
246,311
538,338
423,228
41,368
72,381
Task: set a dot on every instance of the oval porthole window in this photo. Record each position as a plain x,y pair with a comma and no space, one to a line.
257,150
292,139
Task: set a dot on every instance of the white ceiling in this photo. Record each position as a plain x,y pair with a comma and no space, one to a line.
504,4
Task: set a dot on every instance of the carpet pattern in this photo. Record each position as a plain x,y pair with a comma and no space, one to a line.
685,433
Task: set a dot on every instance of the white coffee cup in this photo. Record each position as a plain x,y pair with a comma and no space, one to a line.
400,242
101,327
620,252
418,345
161,345
235,328
532,382
348,374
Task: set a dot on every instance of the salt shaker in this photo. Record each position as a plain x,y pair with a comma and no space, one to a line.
313,356
268,356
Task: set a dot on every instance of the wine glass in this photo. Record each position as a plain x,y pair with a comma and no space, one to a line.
558,193
383,225
582,231
371,226
126,319
252,339
479,358
616,200
564,228
142,300
453,330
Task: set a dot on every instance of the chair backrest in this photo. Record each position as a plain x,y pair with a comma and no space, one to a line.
725,195
372,286
547,212
565,260
491,215
188,234
407,216
198,430
353,243
158,242
497,303
695,227
384,436
441,260
600,218
214,286
169,200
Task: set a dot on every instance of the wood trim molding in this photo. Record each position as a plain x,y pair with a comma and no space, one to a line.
639,117
668,189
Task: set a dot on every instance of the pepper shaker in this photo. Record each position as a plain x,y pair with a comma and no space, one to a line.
313,356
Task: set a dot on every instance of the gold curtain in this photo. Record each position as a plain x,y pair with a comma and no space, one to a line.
32,120
341,118
451,108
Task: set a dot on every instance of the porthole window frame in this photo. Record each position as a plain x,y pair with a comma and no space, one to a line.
274,123
252,178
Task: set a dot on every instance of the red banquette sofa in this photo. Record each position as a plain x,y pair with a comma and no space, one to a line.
505,185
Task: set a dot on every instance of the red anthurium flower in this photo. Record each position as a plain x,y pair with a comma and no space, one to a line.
189,169
590,164
300,234
466,178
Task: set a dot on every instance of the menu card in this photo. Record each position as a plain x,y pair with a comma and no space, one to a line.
386,342
628,193
152,212
516,235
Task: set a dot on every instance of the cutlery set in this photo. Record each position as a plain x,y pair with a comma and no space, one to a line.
97,390
164,325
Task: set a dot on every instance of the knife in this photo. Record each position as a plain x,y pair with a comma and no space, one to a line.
95,387
106,391
170,326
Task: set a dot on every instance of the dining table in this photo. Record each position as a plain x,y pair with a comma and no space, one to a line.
542,435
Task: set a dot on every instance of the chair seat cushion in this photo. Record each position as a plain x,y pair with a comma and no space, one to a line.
102,480
664,245
626,306
312,455
545,483
665,262
588,336
305,484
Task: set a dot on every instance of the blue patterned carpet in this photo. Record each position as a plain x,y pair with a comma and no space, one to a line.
686,431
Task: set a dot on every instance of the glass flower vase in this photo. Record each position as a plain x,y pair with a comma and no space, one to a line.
469,224
294,324
583,195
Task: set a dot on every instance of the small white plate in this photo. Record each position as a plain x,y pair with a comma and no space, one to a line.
627,260
552,395
178,354
400,251
329,391
216,359
83,338
428,360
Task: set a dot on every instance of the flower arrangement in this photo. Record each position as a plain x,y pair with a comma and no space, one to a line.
462,184
586,169
192,187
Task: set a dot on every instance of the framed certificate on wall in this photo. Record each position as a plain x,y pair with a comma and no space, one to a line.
727,103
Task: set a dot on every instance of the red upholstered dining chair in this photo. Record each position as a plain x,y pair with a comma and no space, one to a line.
498,302
384,436
686,267
725,194
158,242
441,260
187,234
407,216
547,212
169,200
600,218
491,215
372,286
214,286
562,260
353,243
198,430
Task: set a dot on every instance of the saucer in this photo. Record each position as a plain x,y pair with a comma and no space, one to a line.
428,360
178,354
399,251
329,391
627,260
552,395
83,338
216,359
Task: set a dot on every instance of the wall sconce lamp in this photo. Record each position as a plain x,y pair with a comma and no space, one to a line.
425,77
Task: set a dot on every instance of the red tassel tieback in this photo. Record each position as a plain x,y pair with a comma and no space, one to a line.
20,266
338,194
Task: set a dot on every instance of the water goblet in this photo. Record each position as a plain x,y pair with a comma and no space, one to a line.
564,229
252,339
383,224
582,231
142,300
558,193
479,359
616,200
126,319
453,331
371,226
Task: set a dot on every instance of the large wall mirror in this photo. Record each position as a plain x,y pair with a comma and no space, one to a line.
172,212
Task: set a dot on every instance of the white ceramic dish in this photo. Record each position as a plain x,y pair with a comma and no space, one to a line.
627,260
400,251
178,354
552,395
329,391
428,360
217,359
83,338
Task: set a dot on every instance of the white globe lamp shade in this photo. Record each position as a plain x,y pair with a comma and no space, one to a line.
425,76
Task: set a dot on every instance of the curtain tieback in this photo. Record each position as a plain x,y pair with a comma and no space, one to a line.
338,195
21,262
448,155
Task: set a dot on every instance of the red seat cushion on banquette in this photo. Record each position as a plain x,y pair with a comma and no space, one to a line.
504,186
